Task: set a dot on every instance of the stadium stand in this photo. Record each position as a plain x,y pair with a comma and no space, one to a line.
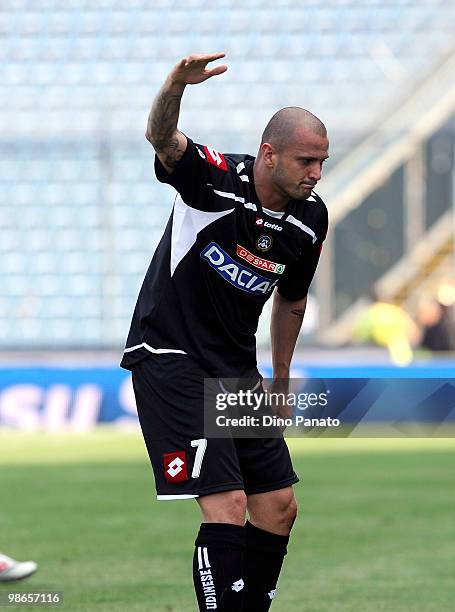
80,211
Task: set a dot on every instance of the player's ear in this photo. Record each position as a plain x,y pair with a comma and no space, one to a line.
268,153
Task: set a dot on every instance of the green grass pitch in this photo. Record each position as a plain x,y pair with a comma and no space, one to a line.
376,530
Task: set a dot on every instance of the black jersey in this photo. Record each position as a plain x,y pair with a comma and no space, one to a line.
218,262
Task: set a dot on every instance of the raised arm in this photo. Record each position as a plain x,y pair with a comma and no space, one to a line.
162,132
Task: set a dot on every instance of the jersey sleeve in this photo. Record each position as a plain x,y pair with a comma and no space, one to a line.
296,280
200,170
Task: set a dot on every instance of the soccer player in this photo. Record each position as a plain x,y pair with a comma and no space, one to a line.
242,228
12,570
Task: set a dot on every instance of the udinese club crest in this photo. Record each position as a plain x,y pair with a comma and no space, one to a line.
264,243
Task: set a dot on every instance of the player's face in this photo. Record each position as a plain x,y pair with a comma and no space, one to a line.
298,168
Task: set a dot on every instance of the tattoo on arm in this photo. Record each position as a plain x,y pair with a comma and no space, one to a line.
171,150
162,126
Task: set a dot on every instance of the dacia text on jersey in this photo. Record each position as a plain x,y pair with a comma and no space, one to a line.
240,276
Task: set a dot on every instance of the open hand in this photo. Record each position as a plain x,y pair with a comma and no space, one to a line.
192,69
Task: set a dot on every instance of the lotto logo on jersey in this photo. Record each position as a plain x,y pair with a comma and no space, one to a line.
258,262
175,466
263,223
215,158
240,276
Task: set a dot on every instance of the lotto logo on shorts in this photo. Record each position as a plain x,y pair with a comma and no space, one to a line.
175,466
258,262
215,158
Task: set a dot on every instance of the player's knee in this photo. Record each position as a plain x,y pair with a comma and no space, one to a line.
286,510
235,508
291,512
227,507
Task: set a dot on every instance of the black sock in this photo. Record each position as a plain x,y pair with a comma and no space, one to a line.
265,553
218,567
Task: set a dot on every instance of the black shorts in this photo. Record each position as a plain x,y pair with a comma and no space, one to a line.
169,392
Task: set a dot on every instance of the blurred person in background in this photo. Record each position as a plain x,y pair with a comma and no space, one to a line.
438,326
12,570
387,324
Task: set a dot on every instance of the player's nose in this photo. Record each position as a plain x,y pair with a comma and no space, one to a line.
315,172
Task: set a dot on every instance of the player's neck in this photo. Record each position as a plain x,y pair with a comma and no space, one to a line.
266,191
